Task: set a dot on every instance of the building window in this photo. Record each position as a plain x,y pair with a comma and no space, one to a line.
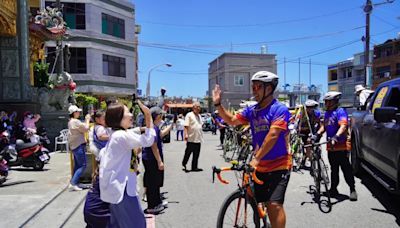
77,60
333,76
383,72
349,73
114,66
113,26
73,13
239,80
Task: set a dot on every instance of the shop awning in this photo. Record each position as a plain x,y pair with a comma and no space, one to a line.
179,105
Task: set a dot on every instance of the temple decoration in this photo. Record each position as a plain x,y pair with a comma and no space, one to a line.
8,18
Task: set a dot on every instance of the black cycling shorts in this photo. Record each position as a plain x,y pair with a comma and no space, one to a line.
274,187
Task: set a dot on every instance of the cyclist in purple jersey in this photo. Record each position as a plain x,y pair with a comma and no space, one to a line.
335,124
268,120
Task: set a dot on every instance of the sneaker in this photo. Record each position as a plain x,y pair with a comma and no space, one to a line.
184,168
74,188
155,210
353,196
164,204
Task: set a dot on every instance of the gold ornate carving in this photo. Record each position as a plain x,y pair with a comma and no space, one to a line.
8,18
36,45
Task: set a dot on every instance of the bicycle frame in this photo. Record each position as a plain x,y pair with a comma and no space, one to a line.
245,186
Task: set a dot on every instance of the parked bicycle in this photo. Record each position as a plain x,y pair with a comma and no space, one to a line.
240,208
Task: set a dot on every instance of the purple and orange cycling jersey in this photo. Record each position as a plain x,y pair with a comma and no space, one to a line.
275,115
332,121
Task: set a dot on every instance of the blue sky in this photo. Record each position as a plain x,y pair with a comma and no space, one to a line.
189,34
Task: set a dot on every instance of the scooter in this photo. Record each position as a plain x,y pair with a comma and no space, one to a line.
44,140
22,154
3,170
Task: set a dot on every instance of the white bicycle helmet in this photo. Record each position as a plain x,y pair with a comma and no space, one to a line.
311,103
332,95
264,76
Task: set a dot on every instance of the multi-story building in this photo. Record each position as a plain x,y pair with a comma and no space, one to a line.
345,75
233,71
103,51
386,63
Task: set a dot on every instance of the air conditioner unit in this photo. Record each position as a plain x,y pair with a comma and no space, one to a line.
386,74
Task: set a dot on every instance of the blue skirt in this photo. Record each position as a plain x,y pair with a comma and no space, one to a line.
127,214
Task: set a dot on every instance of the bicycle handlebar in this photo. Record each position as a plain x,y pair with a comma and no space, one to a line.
247,168
315,144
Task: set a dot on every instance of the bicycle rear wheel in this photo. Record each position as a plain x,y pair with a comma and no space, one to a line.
237,211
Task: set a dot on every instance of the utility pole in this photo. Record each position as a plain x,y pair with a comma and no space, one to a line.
299,72
59,48
368,10
310,74
284,72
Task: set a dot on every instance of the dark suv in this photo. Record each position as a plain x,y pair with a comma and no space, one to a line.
375,136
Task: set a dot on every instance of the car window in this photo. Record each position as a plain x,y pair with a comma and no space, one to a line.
379,98
393,98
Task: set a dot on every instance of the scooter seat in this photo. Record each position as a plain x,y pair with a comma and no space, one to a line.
21,146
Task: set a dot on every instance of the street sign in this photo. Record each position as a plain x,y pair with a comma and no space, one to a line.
139,92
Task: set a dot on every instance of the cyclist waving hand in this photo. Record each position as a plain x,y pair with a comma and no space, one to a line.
268,120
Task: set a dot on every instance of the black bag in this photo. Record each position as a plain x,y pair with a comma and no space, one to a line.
167,138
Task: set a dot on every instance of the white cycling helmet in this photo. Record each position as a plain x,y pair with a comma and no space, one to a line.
311,103
332,95
264,76
358,88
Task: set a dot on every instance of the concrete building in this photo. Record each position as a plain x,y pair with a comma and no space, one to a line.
386,63
345,75
103,51
233,71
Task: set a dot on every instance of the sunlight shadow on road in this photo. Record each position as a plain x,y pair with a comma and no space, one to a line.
15,183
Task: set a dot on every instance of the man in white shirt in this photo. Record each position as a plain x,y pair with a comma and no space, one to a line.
180,122
194,137
363,94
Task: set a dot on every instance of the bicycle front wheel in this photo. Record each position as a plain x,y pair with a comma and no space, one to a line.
237,211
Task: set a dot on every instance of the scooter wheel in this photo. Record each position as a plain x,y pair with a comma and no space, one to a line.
38,165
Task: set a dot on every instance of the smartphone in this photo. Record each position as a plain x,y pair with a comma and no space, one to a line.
134,101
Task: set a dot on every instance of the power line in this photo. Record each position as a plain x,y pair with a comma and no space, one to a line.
385,21
259,42
249,25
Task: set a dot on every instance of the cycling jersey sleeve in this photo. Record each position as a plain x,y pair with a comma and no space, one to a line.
342,116
244,116
280,118
317,113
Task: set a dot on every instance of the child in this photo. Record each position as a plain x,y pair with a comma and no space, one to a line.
117,179
99,134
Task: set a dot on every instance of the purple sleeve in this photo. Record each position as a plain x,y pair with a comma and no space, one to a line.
280,118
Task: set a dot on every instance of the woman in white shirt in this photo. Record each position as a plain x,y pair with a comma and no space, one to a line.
117,177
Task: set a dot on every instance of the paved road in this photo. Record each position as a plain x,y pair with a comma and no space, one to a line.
194,201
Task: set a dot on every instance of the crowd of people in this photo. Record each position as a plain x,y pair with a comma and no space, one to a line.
113,200
23,128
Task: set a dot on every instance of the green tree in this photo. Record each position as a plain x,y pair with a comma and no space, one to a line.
41,75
